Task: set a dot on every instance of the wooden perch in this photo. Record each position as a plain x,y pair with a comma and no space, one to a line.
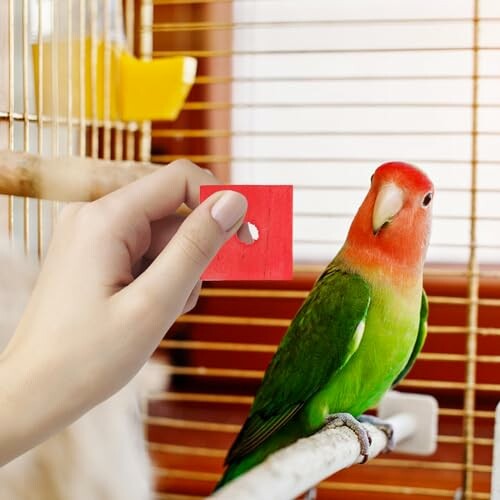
293,470
65,179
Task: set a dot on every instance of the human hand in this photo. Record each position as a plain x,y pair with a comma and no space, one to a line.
118,273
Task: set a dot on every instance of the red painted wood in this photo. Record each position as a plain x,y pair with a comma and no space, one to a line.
270,209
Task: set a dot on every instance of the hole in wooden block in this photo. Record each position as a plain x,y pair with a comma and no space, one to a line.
253,231
248,234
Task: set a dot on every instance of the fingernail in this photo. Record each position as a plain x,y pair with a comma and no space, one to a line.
228,209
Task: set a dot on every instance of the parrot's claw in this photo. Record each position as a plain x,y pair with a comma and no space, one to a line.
383,426
347,420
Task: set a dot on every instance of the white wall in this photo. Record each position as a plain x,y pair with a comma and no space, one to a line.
325,119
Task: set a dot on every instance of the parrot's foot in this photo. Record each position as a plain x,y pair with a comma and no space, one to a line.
383,426
347,420
311,494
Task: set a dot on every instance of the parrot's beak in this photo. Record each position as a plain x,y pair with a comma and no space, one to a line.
389,202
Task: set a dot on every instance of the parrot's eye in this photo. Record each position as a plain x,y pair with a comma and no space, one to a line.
427,200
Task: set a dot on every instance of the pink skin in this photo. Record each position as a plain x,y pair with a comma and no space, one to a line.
400,246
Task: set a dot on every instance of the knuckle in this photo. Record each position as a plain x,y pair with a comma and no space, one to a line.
194,248
90,220
68,219
184,165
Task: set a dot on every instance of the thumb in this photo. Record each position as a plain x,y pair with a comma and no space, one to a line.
170,279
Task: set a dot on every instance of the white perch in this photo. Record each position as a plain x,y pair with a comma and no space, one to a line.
293,470
495,480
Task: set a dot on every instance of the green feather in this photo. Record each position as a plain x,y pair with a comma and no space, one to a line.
421,336
321,339
349,342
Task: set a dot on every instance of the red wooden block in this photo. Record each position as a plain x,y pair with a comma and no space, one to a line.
270,209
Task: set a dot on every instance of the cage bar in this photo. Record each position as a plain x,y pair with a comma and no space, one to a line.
10,216
106,82
131,128
473,292
26,129
82,55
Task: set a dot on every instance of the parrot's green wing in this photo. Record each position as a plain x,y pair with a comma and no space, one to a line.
324,334
421,336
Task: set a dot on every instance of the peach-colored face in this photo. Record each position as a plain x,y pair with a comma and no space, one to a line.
414,217
395,218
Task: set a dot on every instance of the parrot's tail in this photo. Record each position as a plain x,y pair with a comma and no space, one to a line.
285,436
236,469
226,477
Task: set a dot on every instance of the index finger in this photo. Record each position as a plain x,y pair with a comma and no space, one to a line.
160,193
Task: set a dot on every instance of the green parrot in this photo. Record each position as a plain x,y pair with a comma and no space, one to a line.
358,332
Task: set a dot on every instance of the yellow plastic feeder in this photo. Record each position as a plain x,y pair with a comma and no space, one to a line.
154,90
100,70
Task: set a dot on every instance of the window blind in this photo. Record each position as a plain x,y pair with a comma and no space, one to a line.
324,92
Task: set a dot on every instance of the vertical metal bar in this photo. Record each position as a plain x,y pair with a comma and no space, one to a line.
146,51
131,127
94,140
54,68
82,44
69,78
26,143
106,82
118,48
118,149
39,203
130,141
473,267
26,123
68,43
40,90
10,221
129,27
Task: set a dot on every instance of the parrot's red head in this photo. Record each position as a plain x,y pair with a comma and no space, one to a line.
391,230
